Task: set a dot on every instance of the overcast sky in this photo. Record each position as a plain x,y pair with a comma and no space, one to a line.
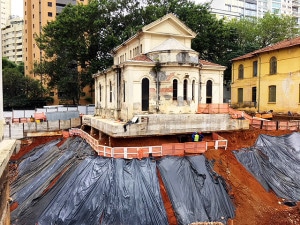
17,6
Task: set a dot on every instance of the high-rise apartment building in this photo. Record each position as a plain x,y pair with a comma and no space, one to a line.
36,15
12,38
255,8
5,11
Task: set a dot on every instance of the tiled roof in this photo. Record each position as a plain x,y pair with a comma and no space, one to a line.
207,63
142,58
280,45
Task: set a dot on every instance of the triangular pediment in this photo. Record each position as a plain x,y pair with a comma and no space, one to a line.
169,25
171,44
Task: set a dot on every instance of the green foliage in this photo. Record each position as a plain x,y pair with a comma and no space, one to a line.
20,92
252,34
258,33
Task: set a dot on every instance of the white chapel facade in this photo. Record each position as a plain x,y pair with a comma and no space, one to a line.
157,72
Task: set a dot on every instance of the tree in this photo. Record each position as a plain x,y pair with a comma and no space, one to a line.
258,33
255,33
76,45
20,92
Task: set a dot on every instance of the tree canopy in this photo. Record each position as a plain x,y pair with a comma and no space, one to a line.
20,92
79,42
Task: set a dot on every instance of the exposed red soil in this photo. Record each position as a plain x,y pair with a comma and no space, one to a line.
253,204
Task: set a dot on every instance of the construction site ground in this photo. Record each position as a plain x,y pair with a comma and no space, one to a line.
253,204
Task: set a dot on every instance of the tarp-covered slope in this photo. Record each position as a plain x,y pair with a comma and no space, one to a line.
196,191
275,162
69,185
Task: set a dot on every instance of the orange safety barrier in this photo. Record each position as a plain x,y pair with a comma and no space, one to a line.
294,125
174,149
210,145
213,108
195,147
155,151
143,152
108,151
39,116
15,120
66,134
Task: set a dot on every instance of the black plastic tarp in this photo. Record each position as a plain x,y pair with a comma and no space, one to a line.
37,170
197,193
71,185
95,191
275,163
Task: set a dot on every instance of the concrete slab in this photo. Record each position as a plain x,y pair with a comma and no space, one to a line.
7,147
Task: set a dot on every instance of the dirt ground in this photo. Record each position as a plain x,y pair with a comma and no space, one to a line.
253,204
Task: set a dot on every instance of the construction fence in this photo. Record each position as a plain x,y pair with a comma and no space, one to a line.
40,114
174,149
21,130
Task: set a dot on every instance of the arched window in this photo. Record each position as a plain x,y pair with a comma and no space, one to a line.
193,90
241,71
124,99
175,89
110,91
145,94
209,91
100,94
185,89
273,65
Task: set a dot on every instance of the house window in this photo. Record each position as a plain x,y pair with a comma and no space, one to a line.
50,4
209,92
193,90
185,84
241,71
124,91
50,14
255,69
273,65
110,91
175,88
253,94
240,95
100,94
272,93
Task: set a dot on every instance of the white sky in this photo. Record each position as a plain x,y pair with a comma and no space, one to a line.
17,7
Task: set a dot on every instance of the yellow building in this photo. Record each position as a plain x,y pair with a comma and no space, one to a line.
36,15
268,79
